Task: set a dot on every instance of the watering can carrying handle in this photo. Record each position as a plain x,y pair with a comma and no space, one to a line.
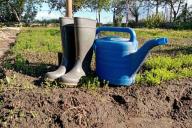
118,29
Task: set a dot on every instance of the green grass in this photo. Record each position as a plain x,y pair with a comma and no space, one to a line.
169,62
155,33
38,40
171,34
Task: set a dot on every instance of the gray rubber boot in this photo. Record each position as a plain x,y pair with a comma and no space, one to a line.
85,30
68,46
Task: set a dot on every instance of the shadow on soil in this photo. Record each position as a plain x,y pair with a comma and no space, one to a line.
29,69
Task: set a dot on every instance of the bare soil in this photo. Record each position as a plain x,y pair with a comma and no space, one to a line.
7,37
168,106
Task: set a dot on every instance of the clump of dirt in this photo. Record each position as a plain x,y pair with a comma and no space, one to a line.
168,105
182,107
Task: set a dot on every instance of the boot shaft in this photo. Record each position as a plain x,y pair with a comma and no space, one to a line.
68,41
85,30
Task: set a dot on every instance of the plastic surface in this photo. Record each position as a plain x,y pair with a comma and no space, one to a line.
117,59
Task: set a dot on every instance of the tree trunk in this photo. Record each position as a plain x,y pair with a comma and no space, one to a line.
174,16
171,14
127,11
148,11
157,7
114,17
136,19
99,13
14,12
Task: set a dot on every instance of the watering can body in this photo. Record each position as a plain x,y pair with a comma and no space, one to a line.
118,59
111,51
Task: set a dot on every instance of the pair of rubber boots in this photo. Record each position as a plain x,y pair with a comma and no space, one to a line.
77,36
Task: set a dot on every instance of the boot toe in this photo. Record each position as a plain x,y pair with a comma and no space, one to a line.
51,76
56,74
70,80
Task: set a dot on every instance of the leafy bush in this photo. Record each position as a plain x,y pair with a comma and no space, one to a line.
154,21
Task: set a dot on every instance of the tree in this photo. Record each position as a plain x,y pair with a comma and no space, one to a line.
186,14
60,5
30,11
14,8
135,6
119,8
176,6
157,4
98,6
148,5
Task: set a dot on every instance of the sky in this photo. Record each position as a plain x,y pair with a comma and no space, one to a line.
106,17
44,13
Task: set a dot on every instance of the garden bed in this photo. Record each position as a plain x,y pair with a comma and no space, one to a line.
162,96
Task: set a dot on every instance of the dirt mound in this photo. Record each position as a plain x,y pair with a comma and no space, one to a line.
182,108
169,105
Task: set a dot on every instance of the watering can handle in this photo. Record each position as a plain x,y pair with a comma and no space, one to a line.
118,29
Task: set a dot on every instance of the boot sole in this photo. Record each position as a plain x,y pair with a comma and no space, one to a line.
70,84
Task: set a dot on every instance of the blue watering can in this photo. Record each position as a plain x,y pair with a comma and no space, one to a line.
118,59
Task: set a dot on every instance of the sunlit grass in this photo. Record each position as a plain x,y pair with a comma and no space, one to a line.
38,40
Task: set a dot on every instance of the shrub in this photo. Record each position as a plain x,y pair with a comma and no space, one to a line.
154,21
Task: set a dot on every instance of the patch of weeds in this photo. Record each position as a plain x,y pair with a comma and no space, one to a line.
163,68
33,114
52,84
89,82
185,72
92,82
21,114
165,62
155,76
1,101
8,81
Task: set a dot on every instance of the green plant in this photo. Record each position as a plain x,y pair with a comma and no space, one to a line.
52,84
162,68
185,72
1,101
165,62
155,76
154,21
89,82
38,40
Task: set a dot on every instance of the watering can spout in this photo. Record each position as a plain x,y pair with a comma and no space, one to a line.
144,50
155,42
140,56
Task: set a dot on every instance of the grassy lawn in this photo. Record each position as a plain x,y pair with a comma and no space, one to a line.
36,51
